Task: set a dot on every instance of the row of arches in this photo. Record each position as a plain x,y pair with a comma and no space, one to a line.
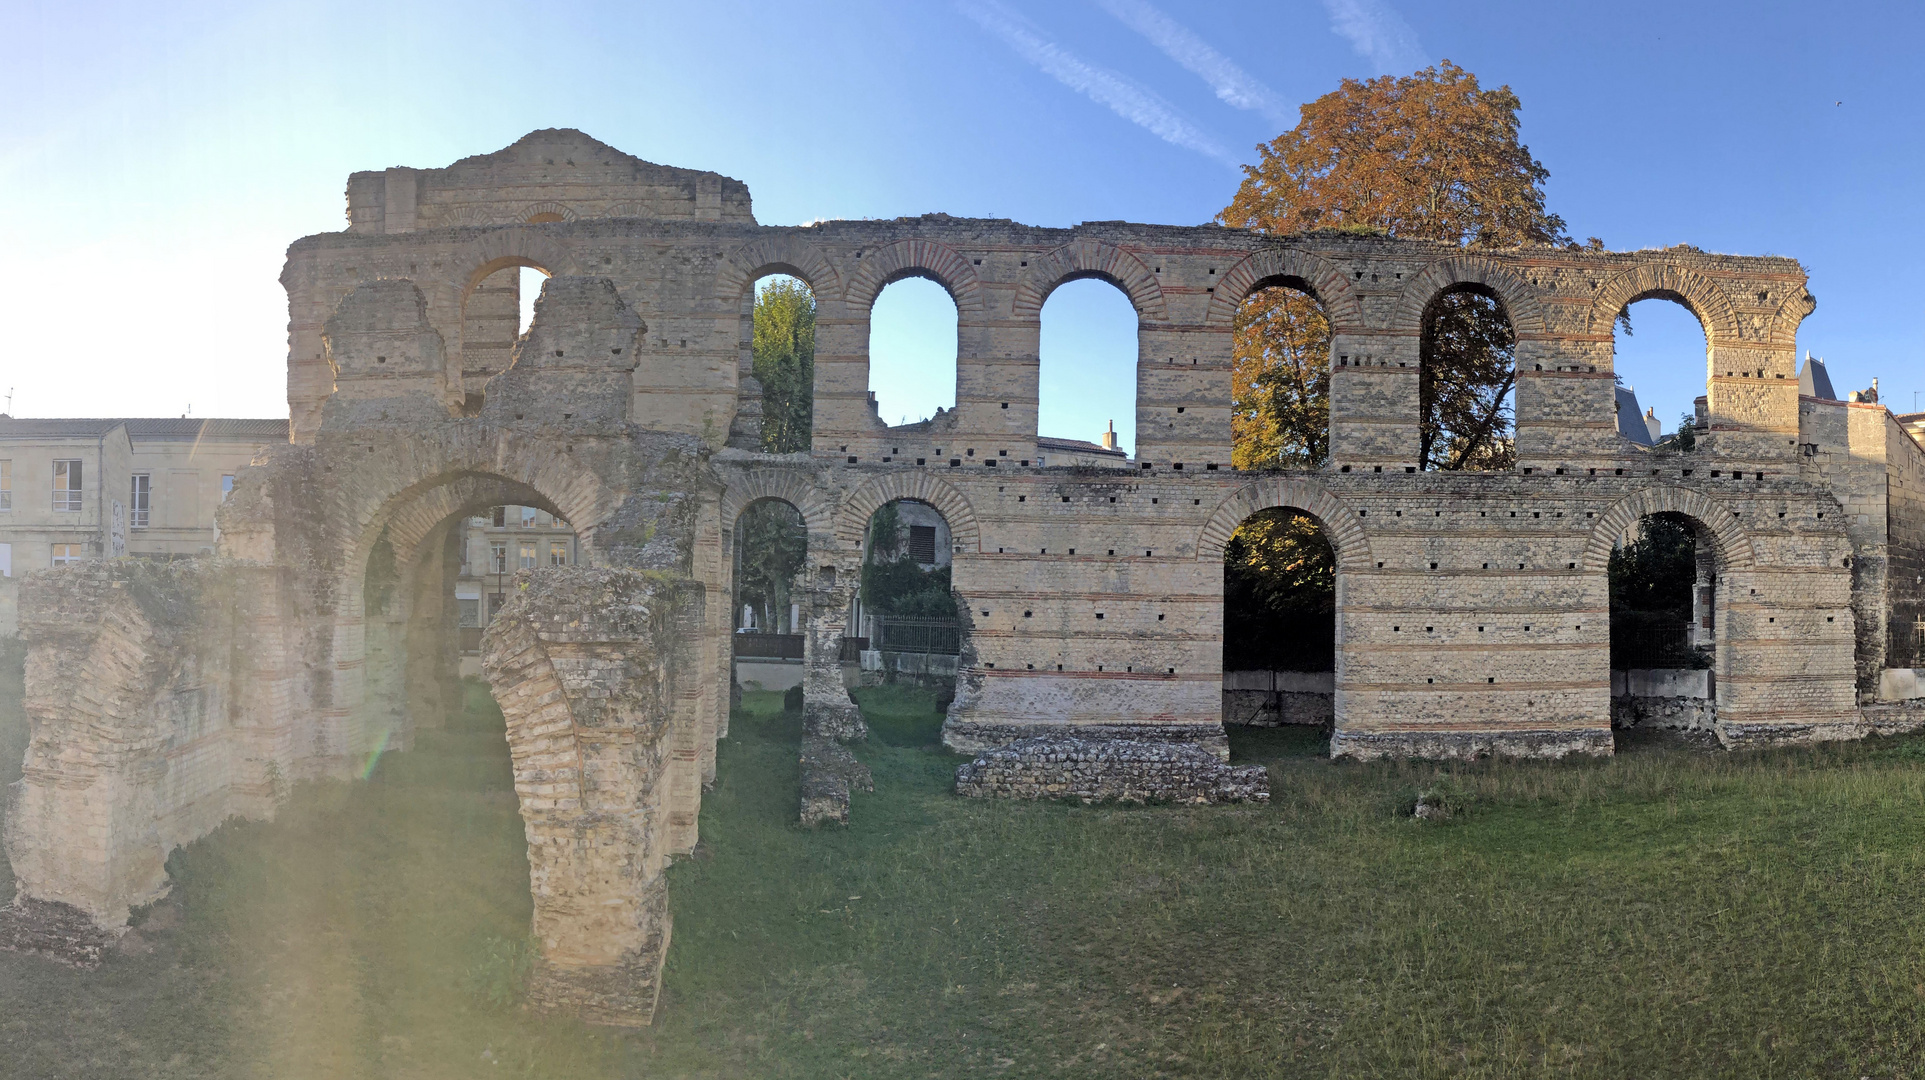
1281,613
919,300
1280,384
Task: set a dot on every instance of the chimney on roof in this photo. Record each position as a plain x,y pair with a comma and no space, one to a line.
1109,437
1652,424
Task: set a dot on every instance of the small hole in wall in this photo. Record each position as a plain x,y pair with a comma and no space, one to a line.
1159,618
1490,680
380,359
1026,614
1829,618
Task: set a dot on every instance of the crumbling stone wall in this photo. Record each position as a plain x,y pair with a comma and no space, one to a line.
151,693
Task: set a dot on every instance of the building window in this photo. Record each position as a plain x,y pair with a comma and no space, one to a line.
498,556
558,553
922,543
140,501
6,485
66,485
528,517
527,555
227,487
470,612
67,554
501,517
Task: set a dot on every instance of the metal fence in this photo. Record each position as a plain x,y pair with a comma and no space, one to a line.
938,636
769,646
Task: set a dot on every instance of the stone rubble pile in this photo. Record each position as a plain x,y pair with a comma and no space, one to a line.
1106,770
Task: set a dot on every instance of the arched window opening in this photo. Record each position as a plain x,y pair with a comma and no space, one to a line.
1279,622
494,315
528,281
905,607
1664,627
782,350
1660,370
1086,389
426,599
771,542
912,352
1467,375
1280,379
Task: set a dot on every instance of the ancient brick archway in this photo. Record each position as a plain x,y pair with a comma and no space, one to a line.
1094,588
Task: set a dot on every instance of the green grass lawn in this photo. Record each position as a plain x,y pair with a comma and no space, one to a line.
1671,912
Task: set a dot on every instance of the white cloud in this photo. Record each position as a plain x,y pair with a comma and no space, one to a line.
1377,33
1233,85
1122,95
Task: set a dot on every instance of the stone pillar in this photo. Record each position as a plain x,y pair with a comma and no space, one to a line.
584,663
826,707
1374,407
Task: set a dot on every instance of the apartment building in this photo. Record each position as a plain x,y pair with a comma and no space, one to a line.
493,546
72,490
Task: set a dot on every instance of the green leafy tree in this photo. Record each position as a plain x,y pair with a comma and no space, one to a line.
1651,581
773,545
783,349
1430,156
1279,595
894,584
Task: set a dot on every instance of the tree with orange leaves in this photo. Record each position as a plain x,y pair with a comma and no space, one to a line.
1430,156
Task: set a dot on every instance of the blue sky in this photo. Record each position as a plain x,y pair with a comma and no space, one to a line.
157,161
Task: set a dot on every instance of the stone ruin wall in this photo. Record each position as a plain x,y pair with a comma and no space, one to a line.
1473,615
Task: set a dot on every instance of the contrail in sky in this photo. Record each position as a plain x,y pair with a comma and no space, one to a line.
1377,33
1122,95
1233,85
